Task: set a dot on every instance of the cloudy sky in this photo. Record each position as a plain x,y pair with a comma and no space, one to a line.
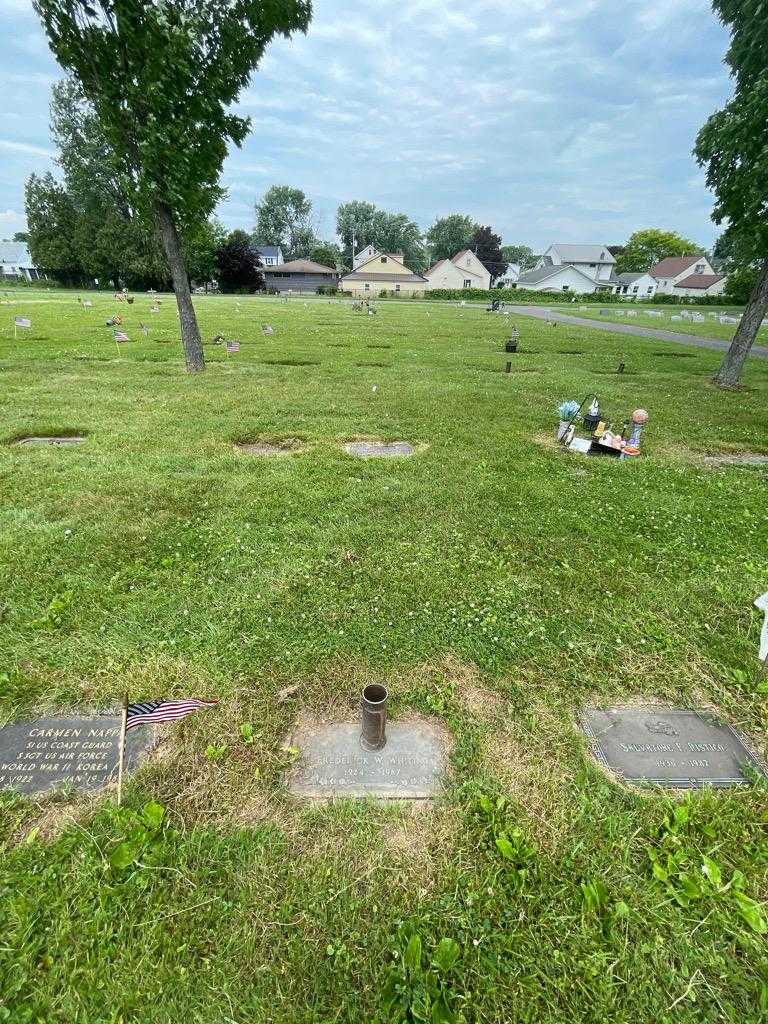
550,121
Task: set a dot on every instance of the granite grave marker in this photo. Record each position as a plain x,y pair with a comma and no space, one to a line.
671,747
53,753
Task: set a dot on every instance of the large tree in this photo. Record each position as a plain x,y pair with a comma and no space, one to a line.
361,223
52,221
284,218
329,254
649,246
161,76
522,255
449,235
733,146
238,267
487,247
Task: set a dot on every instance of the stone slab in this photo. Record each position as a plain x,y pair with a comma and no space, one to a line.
54,753
672,747
378,449
50,440
334,764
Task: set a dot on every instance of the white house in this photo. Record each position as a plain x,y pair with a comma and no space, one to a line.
16,262
464,270
510,277
365,255
636,286
687,275
571,267
271,255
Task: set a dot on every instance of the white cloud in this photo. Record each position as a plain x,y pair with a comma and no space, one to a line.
24,147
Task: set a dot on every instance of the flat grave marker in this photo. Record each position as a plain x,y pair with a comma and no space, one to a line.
334,763
53,753
672,747
378,449
65,440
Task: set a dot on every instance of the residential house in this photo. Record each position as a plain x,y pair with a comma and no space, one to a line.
636,286
366,254
687,275
464,270
16,262
570,267
300,276
511,276
383,272
270,255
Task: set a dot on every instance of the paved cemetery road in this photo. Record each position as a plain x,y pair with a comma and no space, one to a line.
542,313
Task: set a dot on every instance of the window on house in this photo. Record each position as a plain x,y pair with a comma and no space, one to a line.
634,290
467,282
650,290
592,266
566,288
699,268
383,259
397,287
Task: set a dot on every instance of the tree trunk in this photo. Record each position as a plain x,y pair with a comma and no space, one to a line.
729,374
190,332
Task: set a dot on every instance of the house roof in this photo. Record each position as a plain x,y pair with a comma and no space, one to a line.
371,275
673,265
434,267
700,281
270,251
534,276
300,267
16,254
630,278
587,253
360,275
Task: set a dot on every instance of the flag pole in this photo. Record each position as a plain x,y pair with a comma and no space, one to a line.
122,751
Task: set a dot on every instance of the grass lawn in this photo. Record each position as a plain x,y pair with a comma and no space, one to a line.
494,583
710,327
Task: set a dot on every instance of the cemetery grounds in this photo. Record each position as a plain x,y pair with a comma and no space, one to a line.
495,583
709,327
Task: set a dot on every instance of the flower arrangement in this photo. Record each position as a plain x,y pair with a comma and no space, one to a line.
568,409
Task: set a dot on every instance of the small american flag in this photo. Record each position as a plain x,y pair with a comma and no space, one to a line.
22,321
233,346
121,336
163,710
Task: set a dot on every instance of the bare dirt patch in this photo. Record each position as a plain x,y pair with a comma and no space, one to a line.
270,446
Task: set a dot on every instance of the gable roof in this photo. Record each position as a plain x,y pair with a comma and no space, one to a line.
700,281
396,256
409,278
543,273
300,267
16,254
577,253
630,278
434,267
674,265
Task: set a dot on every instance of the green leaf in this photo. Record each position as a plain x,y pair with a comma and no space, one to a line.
124,855
446,954
711,869
153,814
506,849
659,872
752,912
412,955
441,1012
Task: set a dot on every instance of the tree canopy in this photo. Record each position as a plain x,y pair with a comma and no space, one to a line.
238,265
161,77
389,232
284,218
449,235
649,246
523,255
487,247
732,145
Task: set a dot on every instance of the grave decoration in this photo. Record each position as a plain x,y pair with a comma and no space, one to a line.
121,336
217,339
762,653
144,329
404,761
267,329
114,321
233,346
511,345
602,439
87,304
154,309
22,322
672,747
